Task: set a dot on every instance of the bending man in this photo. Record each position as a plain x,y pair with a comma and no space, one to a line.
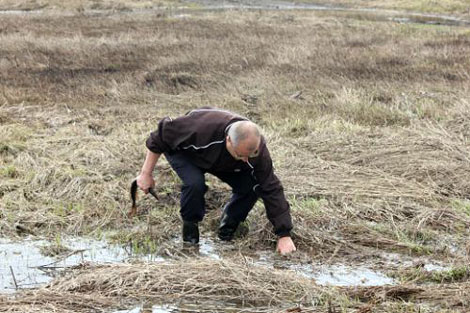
230,147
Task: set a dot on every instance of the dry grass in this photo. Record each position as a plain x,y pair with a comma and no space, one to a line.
456,7
223,286
383,127
231,285
367,122
81,5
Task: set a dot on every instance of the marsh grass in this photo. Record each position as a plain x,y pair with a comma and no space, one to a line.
55,249
184,282
81,5
418,275
366,120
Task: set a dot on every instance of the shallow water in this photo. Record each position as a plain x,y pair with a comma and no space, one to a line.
331,274
154,309
31,269
334,275
270,5
396,16
341,275
21,258
398,260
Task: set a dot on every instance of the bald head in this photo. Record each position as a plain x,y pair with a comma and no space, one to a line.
245,132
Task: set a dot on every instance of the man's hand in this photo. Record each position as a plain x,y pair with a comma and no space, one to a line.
145,182
285,245
145,179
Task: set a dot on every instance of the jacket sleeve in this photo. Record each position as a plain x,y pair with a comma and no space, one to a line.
169,134
271,191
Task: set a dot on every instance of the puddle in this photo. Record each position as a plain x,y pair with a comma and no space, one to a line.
154,309
334,275
19,12
330,275
260,5
181,16
341,275
395,16
430,20
23,262
184,11
20,258
398,260
436,267
206,248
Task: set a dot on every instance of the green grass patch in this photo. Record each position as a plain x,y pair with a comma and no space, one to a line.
313,206
8,171
461,205
459,273
139,242
419,275
55,249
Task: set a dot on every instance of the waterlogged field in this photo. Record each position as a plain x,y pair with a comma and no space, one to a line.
366,115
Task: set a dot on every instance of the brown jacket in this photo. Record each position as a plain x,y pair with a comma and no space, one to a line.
200,134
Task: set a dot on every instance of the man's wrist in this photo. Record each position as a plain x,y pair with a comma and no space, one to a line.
283,234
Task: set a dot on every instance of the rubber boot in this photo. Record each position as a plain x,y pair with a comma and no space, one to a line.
190,233
227,227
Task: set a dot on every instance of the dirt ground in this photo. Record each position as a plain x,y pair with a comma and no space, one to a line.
365,114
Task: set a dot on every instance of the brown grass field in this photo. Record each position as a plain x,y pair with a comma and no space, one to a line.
367,121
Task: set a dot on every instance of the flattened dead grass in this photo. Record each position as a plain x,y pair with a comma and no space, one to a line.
81,5
221,286
367,122
384,139
230,284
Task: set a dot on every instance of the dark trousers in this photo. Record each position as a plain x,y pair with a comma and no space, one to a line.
194,187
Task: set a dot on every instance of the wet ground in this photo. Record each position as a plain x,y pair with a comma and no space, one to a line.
214,5
23,266
389,15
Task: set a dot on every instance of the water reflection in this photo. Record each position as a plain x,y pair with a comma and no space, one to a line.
341,275
22,260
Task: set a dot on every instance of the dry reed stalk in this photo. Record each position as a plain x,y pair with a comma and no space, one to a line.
195,280
453,296
42,301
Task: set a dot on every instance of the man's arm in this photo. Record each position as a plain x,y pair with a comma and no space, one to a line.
145,179
277,208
